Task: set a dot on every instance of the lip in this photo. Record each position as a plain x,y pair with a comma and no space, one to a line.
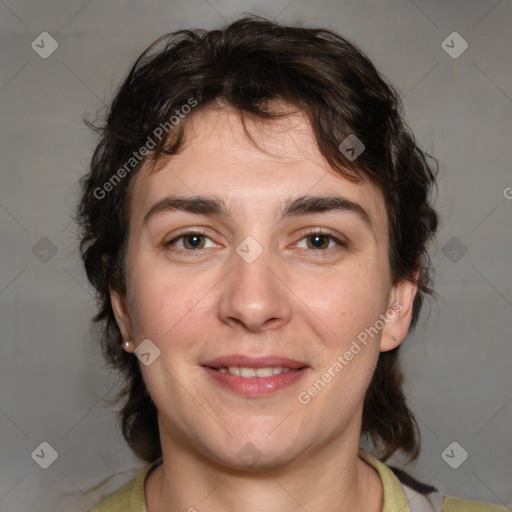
253,362
255,387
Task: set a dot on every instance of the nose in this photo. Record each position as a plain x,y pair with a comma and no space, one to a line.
254,294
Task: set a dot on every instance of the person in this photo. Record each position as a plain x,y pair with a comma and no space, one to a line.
256,223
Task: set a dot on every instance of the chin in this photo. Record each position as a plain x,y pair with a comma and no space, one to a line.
256,452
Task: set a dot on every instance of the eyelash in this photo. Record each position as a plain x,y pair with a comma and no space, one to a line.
340,243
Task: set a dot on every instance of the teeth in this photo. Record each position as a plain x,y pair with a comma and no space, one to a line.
245,372
254,372
265,372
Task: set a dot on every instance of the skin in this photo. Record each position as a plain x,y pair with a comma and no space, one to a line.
294,300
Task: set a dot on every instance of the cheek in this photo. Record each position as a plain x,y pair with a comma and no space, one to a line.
166,304
153,306
348,303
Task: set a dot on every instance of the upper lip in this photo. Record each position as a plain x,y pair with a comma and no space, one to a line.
253,362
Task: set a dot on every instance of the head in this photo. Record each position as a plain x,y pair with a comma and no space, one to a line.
257,114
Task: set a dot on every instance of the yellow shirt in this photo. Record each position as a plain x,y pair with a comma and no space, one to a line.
130,497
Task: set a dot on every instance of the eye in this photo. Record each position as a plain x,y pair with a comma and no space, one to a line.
189,242
319,240
192,241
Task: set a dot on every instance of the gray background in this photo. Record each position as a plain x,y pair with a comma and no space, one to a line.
53,386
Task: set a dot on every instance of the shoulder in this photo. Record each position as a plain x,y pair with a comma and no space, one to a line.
399,493
459,505
128,498
117,501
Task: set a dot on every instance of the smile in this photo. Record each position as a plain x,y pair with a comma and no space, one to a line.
255,381
254,372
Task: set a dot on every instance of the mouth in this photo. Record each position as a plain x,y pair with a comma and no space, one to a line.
246,372
255,376
262,366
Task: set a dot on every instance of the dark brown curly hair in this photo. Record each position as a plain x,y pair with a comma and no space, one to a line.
249,65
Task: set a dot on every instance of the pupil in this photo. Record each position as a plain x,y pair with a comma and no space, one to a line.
194,240
317,238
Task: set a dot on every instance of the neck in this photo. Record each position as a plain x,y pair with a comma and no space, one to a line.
315,481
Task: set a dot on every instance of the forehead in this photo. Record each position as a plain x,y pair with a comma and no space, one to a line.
260,168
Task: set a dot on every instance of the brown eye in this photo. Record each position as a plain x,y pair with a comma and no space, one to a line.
319,241
193,241
188,242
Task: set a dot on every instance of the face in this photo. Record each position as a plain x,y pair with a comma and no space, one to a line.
257,297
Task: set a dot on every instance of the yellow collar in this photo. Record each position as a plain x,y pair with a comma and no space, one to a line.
394,496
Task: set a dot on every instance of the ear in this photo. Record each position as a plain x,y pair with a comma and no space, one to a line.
399,314
121,313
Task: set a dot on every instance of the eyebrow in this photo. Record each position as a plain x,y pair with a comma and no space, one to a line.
294,207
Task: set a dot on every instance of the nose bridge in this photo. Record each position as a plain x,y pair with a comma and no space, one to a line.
253,294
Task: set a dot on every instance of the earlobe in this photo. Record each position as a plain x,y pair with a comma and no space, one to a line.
121,313
399,314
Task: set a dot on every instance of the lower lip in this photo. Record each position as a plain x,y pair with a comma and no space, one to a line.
256,386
